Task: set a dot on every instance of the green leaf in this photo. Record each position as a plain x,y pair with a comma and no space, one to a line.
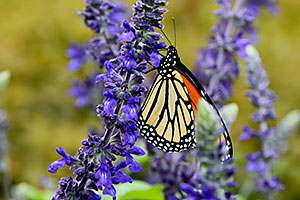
241,198
138,190
4,79
229,113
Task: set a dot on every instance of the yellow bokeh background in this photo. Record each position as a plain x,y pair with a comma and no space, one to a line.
34,35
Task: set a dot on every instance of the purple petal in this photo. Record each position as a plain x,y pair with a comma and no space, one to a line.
127,36
131,112
53,167
110,190
155,59
120,177
95,197
121,165
134,166
103,77
136,151
109,66
117,15
103,175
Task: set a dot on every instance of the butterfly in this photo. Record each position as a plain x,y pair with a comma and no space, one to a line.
167,117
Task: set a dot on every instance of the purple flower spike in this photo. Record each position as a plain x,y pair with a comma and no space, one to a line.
263,99
122,56
216,65
105,18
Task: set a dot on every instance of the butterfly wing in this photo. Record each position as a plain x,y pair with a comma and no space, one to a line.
166,119
196,93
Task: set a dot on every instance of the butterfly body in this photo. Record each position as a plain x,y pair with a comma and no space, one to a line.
167,117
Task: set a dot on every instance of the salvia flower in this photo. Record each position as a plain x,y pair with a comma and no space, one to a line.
105,18
78,56
216,65
96,166
66,160
172,170
124,77
263,99
86,92
235,19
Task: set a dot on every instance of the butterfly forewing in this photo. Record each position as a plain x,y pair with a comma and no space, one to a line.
166,118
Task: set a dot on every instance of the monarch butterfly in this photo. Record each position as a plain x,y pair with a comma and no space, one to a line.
167,117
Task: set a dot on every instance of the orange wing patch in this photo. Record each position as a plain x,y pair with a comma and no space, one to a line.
195,96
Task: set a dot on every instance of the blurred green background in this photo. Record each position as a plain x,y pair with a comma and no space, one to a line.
34,35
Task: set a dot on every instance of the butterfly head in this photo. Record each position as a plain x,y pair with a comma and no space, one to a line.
172,53
169,61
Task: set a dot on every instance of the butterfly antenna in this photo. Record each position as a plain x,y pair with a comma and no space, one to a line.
174,24
165,36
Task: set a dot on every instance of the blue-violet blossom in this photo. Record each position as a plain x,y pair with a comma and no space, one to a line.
104,18
95,166
217,66
263,99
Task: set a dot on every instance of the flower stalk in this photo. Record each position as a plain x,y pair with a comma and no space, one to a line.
96,166
263,99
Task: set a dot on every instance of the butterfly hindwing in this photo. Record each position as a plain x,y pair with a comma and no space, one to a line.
197,92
